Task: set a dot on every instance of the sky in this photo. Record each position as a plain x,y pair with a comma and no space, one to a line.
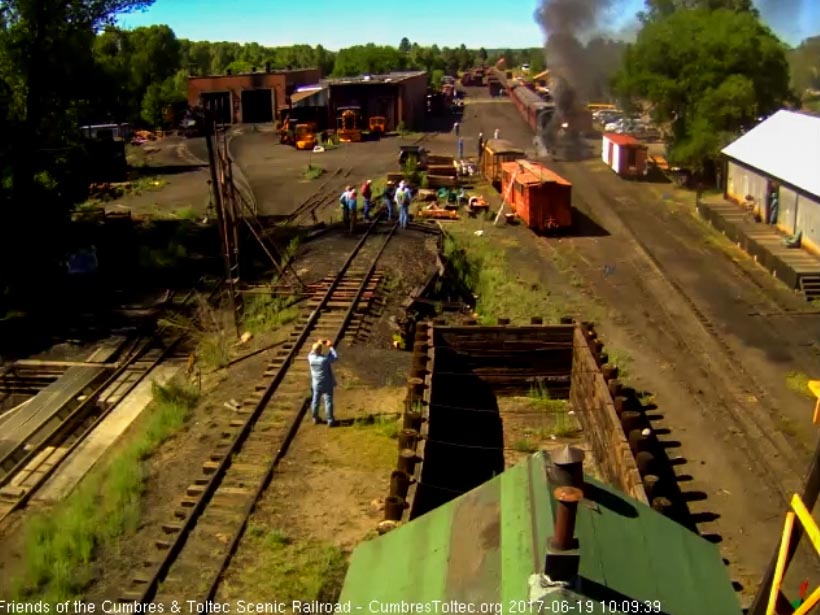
448,23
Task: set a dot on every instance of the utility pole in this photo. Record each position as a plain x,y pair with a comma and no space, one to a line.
231,268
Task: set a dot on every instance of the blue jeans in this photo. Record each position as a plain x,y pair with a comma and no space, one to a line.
367,209
403,211
388,206
314,407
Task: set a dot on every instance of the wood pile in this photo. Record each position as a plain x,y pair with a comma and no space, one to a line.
438,214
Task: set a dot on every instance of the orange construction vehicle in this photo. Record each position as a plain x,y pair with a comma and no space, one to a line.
348,124
305,136
377,125
287,133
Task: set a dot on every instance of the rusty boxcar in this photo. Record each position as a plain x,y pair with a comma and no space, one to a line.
496,152
539,196
624,155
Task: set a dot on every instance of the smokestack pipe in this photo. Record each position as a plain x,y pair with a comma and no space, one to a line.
568,468
563,538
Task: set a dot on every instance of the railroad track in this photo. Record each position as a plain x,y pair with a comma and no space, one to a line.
31,462
195,546
740,404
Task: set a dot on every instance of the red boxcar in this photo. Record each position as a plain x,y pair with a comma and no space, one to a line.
540,197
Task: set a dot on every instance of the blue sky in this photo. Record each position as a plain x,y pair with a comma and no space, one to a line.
342,23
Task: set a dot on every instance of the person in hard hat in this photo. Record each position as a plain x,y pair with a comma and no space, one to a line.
352,204
343,202
480,146
322,355
366,195
387,198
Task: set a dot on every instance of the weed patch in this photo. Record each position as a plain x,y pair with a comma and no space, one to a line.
799,383
620,359
501,290
263,313
59,545
209,329
287,569
313,172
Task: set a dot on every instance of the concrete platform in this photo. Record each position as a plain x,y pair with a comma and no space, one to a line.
762,241
92,448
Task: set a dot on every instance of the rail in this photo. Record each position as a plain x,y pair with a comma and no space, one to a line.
75,425
190,533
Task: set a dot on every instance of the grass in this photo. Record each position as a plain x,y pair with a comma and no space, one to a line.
211,330
60,544
288,569
799,383
186,213
313,172
620,359
165,257
501,290
561,423
386,425
263,313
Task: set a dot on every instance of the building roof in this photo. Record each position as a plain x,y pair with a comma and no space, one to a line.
257,72
394,77
622,139
502,146
305,92
785,146
528,172
483,546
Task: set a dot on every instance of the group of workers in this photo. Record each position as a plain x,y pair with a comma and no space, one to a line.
481,141
400,196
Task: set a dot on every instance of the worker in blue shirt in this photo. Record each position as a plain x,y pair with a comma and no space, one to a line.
387,197
352,204
322,382
344,205
460,148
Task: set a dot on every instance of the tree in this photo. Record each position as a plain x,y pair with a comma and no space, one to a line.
657,9
46,57
804,62
482,55
709,73
404,45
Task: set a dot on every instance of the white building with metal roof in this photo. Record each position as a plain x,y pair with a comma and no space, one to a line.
782,155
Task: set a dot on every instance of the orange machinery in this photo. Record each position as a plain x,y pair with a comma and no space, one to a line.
539,196
377,125
305,136
348,124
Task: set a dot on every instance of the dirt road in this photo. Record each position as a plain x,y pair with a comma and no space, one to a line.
682,309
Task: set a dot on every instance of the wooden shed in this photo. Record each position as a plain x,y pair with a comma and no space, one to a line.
624,154
540,197
497,152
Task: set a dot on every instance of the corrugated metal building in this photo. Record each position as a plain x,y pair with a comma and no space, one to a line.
780,154
488,549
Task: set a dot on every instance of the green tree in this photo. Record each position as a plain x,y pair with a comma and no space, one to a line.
804,62
482,54
404,45
46,60
657,9
709,73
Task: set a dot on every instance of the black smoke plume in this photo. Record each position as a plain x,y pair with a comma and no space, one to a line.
567,25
